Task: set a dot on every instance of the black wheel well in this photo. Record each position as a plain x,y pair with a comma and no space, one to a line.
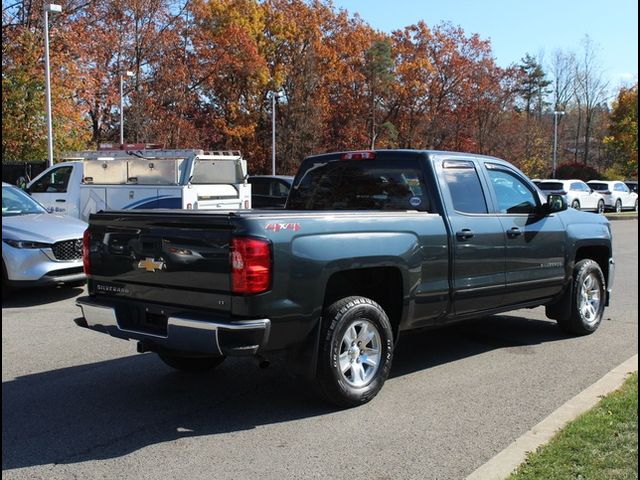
598,254
383,285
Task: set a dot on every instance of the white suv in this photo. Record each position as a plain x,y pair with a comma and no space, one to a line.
617,195
577,194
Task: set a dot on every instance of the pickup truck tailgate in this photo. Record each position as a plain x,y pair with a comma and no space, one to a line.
162,257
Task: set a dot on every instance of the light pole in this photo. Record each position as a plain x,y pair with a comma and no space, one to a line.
48,8
274,96
123,74
555,140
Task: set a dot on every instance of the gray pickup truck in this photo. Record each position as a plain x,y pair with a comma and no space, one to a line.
370,245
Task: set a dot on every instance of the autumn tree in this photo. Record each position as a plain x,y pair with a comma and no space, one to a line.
379,67
24,133
622,139
590,89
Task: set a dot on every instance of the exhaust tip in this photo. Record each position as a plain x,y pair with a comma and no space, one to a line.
261,362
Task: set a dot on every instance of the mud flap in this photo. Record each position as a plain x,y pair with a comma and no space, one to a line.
561,309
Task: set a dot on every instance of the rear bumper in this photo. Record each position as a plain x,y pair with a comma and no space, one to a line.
187,333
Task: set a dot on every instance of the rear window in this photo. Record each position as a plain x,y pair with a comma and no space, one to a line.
389,184
551,186
599,186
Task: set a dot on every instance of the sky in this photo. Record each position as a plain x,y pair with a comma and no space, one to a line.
518,27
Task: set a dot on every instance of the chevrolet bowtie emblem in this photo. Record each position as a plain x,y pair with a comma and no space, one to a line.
151,264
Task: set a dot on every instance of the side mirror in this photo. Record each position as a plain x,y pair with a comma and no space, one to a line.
556,203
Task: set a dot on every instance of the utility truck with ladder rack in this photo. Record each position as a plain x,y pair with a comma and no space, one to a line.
143,178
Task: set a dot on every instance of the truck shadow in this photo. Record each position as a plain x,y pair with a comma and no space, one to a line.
30,297
109,409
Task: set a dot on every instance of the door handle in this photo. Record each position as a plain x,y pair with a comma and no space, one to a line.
464,234
514,232
61,200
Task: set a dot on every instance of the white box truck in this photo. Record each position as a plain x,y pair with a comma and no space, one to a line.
90,181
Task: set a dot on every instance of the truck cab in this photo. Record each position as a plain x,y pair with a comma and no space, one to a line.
58,188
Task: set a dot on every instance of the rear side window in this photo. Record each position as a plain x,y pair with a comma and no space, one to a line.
259,186
389,184
464,187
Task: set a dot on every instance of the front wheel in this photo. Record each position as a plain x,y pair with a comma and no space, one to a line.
587,299
191,364
356,351
601,207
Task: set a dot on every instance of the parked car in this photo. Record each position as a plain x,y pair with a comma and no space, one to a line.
269,191
38,248
576,193
632,184
371,245
617,195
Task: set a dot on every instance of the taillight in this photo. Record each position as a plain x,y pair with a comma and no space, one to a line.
367,155
86,240
606,192
562,192
250,265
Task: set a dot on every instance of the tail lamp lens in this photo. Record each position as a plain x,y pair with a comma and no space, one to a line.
250,265
86,240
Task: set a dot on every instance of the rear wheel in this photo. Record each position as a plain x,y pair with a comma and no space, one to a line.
356,351
618,206
586,299
191,364
601,207
575,204
635,207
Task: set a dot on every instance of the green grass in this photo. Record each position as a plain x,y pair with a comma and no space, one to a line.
601,444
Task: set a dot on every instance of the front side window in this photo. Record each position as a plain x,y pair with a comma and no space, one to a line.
619,187
464,186
56,181
393,184
512,193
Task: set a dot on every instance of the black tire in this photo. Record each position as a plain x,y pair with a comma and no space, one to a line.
5,282
635,207
580,318
575,205
618,206
361,381
191,364
601,207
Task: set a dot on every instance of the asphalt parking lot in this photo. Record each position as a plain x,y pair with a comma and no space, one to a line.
78,404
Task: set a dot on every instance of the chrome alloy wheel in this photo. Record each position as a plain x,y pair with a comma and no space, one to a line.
360,353
590,298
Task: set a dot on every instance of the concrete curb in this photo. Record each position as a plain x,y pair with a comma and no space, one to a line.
624,217
505,462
